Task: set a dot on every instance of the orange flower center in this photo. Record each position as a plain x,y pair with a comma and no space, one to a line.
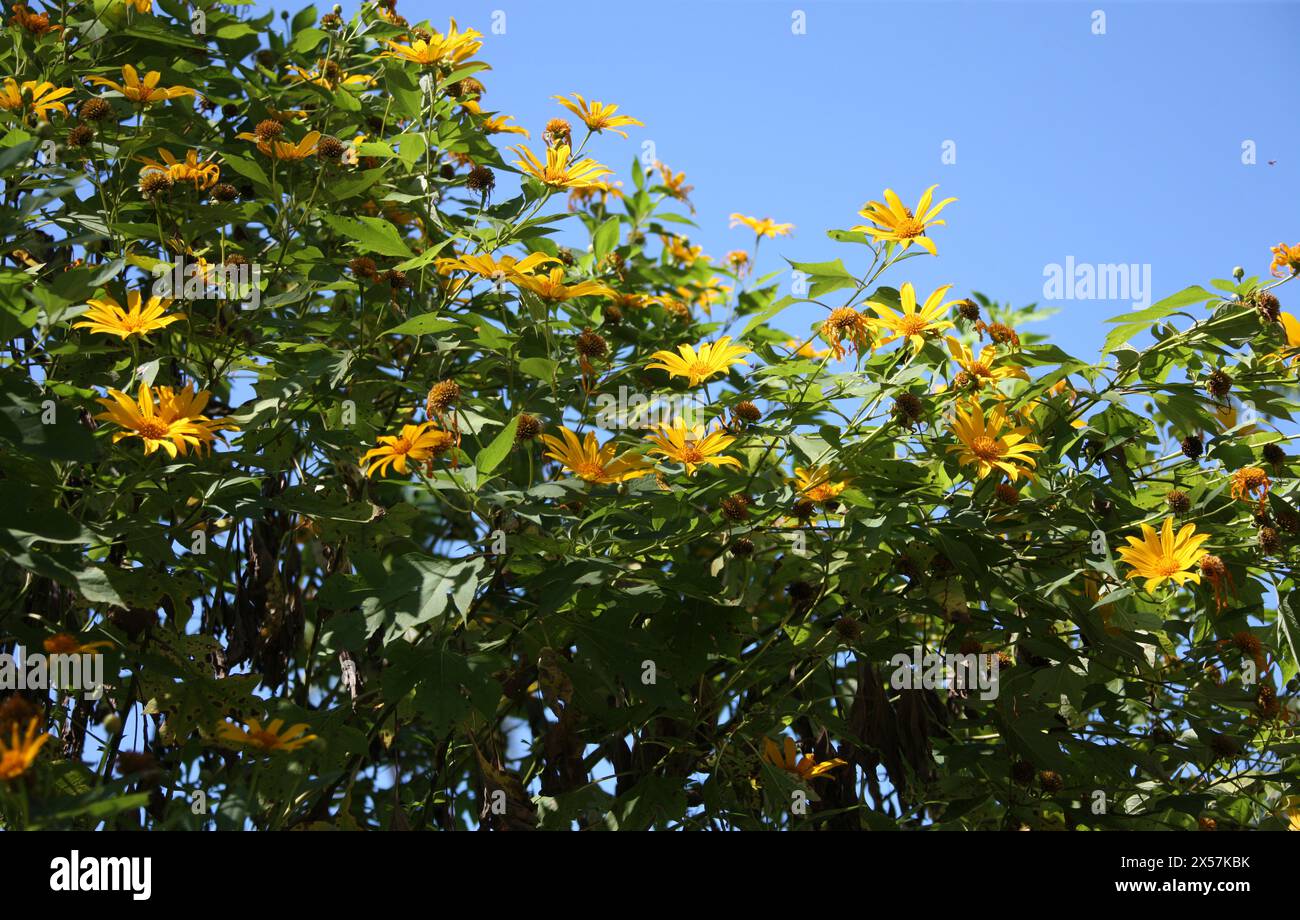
264,739
909,228
691,454
590,470
152,429
401,446
700,369
912,325
1166,566
987,449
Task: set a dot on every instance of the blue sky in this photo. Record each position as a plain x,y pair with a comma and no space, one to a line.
1117,148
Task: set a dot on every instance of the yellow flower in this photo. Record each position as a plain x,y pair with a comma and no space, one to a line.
559,172
1164,557
981,368
816,484
142,92
598,116
1285,258
690,446
764,227
284,150
203,175
1250,483
500,124
806,349
493,270
329,76
675,184
163,418
591,463
20,753
912,323
786,757
270,738
551,286
68,644
106,315
706,295
902,225
582,197
698,366
991,444
35,23
42,97
679,249
846,323
452,48
416,443
1291,327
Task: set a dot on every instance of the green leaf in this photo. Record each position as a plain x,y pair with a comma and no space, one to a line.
370,234
490,457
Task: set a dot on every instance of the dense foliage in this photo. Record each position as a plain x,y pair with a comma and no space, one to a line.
512,509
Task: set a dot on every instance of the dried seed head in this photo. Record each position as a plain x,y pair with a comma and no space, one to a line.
363,267
1193,446
467,86
963,380
131,763
268,129
1266,701
528,428
1177,501
1274,454
908,408
224,192
735,507
591,344
804,509
849,628
81,136
442,396
1268,306
94,109
331,21
1006,493
481,180
1206,824
1022,772
742,547
1212,567
1218,384
155,184
747,411
1269,541
396,279
1051,781
330,147
969,310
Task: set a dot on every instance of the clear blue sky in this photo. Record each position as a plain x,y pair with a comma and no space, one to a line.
1122,147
